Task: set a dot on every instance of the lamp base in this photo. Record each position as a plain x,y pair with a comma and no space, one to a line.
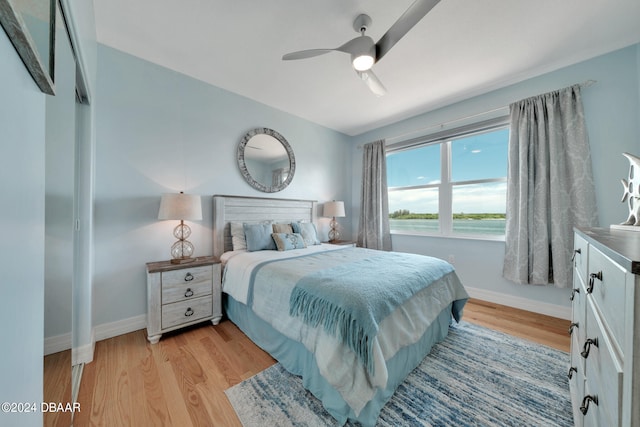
182,260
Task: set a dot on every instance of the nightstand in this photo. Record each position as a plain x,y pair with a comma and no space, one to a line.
180,295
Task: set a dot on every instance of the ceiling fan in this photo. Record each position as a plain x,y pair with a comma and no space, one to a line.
364,52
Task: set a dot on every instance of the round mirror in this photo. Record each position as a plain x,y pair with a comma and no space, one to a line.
266,160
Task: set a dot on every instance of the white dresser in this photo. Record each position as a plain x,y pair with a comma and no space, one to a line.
604,371
180,295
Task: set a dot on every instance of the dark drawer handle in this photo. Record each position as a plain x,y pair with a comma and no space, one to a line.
587,346
592,278
572,327
188,277
571,371
574,292
575,252
585,403
189,312
188,293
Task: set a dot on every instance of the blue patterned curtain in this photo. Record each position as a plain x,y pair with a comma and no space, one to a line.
549,187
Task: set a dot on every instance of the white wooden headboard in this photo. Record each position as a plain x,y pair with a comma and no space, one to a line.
228,209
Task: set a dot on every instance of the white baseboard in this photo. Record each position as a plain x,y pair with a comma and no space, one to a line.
120,327
84,354
57,343
553,310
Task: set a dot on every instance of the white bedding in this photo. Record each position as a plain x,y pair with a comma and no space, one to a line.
237,284
340,366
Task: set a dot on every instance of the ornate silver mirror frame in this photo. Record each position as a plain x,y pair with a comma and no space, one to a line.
266,160
35,45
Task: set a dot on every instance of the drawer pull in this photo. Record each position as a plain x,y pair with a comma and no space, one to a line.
188,277
575,252
189,312
572,327
592,278
571,371
188,293
574,292
585,403
587,346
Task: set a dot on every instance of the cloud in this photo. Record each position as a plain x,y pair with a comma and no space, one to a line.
472,198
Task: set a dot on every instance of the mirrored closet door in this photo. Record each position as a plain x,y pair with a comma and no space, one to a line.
61,226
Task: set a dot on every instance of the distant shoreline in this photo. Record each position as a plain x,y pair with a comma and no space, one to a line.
415,216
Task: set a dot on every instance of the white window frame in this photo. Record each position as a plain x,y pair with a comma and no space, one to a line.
446,185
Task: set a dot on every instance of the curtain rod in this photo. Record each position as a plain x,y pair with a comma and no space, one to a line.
585,83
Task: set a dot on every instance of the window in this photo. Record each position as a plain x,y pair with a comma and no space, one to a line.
453,183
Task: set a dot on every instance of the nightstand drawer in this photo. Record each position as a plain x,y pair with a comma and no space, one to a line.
183,312
187,275
182,285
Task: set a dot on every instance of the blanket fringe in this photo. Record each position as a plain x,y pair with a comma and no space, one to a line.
316,311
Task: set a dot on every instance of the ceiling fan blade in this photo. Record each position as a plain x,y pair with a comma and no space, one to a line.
372,82
409,18
352,46
357,45
303,54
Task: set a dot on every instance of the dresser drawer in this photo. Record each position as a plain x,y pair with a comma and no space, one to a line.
179,313
603,373
580,256
182,285
608,292
597,415
576,379
578,309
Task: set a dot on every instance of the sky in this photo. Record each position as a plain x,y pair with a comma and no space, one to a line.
480,156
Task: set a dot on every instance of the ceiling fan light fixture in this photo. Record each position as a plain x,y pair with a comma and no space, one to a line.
362,62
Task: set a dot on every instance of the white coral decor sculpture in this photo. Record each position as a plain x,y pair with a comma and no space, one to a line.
632,190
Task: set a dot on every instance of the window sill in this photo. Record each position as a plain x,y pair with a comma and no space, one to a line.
485,237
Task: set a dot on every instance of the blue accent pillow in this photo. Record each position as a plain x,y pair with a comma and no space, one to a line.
258,237
308,232
288,241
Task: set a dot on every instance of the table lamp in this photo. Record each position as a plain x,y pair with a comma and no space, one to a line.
181,207
333,209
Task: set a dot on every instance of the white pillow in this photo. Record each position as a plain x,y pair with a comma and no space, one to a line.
238,241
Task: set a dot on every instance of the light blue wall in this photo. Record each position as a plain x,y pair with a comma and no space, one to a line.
612,109
22,119
159,131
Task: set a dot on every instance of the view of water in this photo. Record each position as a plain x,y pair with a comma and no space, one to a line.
463,226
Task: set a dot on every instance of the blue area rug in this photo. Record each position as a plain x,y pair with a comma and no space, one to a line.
475,377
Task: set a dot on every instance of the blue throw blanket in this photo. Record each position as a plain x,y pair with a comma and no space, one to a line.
349,301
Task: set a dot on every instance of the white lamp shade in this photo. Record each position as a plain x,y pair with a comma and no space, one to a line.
333,209
180,206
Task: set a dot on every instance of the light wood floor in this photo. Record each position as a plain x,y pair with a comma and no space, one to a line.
57,387
181,380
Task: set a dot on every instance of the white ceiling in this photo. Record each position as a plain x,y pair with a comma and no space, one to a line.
460,49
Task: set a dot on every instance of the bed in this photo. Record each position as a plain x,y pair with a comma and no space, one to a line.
351,322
